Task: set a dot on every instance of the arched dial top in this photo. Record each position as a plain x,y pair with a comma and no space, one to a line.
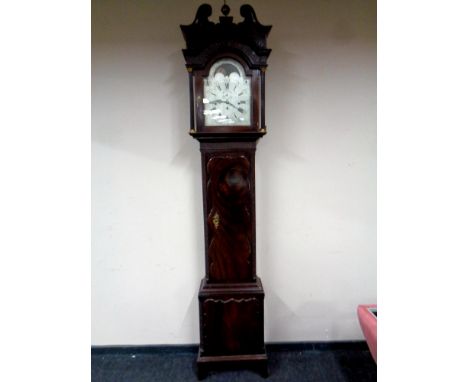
227,95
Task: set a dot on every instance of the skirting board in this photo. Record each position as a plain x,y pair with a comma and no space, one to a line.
193,348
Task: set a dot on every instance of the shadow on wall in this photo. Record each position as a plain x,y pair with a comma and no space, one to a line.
140,126
320,101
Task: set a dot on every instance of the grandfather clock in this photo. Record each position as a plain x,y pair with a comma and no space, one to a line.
226,63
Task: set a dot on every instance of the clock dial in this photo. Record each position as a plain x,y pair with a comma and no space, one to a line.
227,96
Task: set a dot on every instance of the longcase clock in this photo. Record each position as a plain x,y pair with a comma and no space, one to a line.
226,62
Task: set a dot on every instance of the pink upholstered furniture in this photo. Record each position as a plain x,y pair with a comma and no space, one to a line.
368,321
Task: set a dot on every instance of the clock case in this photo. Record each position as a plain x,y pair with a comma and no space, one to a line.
231,295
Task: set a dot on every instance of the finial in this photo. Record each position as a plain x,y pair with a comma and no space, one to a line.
225,9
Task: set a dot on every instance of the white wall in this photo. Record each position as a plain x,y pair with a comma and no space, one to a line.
316,172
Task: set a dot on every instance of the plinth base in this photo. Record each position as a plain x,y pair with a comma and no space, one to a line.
231,327
256,362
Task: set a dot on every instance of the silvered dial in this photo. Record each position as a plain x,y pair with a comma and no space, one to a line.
227,96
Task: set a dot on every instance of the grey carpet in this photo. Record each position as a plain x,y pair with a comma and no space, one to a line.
306,363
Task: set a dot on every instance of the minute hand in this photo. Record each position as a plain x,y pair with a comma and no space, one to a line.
227,103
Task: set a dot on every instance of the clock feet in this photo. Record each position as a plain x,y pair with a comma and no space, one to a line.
202,371
255,362
263,369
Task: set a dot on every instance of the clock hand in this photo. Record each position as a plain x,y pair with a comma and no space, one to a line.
222,101
239,109
216,101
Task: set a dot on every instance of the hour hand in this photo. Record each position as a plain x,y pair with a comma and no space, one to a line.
222,101
239,109
217,101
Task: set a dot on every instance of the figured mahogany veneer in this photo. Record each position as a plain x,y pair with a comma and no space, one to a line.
229,217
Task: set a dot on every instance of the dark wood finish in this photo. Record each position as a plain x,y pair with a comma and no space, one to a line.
230,216
262,81
192,122
231,327
231,319
231,295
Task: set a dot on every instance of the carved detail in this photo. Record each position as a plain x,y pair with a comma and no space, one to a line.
248,36
224,301
204,11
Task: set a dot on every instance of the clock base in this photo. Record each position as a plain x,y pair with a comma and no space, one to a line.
255,362
231,327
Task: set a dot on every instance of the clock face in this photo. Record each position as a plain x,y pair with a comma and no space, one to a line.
226,95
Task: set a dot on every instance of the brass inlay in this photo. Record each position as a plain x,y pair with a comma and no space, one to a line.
263,69
263,130
189,70
215,220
